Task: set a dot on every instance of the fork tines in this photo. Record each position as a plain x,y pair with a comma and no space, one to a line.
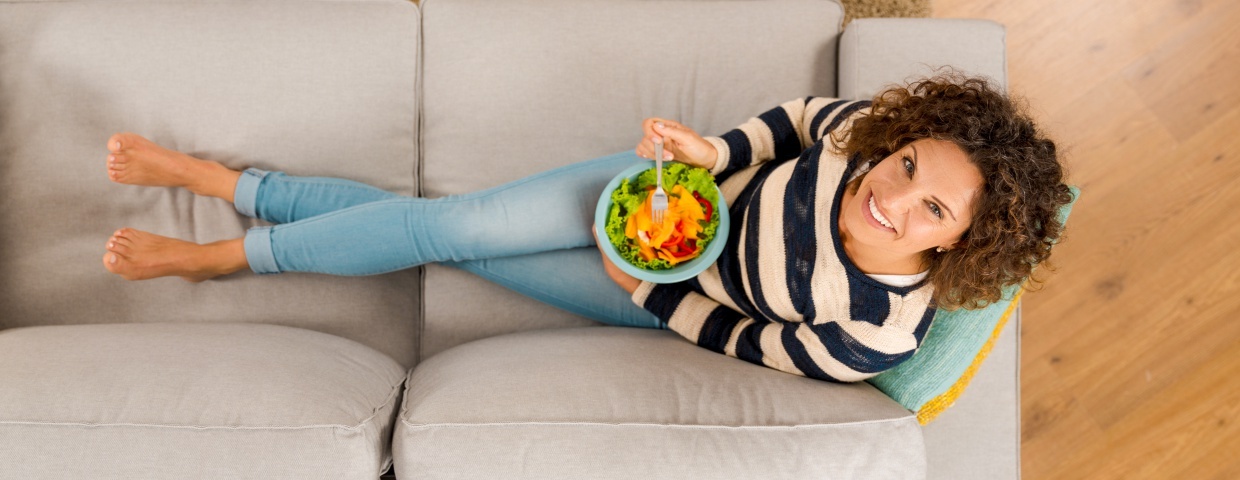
658,202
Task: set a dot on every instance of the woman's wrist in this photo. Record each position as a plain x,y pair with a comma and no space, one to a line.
624,280
718,148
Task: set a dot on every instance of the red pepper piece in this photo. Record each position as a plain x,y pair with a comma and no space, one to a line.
705,205
680,253
676,237
684,248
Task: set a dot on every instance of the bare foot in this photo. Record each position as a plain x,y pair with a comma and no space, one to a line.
138,255
134,160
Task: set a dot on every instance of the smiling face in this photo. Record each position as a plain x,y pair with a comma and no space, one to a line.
917,199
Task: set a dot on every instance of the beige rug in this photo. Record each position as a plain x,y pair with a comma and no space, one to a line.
884,8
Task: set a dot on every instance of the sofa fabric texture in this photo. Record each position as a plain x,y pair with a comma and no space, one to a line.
616,402
878,52
122,401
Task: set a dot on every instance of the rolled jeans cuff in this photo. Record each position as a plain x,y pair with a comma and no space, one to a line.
258,251
245,197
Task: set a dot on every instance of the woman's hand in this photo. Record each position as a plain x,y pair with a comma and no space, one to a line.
680,143
624,280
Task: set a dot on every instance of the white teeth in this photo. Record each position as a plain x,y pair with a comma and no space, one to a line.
877,215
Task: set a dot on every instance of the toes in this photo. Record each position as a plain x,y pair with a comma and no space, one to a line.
112,261
124,235
119,246
122,241
122,141
115,143
117,162
119,250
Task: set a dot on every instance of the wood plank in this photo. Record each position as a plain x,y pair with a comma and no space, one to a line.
1176,435
1053,423
1068,47
1170,304
1090,259
1140,346
1146,279
1232,471
1192,78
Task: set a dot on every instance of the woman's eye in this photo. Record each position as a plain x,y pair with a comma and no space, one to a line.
908,166
935,210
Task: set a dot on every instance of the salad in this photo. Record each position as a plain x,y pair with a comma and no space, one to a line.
689,223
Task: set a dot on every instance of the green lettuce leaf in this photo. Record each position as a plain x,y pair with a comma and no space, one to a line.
628,197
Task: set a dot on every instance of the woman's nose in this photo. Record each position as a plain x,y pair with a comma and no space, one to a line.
901,200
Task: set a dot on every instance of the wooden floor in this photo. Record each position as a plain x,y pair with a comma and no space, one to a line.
1131,353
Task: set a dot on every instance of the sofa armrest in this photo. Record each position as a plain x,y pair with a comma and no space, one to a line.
876,52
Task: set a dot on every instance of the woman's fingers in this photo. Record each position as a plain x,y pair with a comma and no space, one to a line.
648,126
655,129
671,151
645,148
680,143
690,147
683,142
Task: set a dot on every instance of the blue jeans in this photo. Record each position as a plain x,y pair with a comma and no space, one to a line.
532,235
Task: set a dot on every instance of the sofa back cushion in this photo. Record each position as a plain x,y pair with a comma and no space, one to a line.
311,88
518,87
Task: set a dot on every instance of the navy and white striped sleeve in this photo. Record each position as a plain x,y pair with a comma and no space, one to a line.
824,351
780,133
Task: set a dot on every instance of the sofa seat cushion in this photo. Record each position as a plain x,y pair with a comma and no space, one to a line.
613,402
152,400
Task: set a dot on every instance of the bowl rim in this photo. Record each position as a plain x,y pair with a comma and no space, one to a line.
678,273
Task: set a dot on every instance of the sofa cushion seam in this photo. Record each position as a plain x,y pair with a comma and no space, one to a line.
390,400
409,424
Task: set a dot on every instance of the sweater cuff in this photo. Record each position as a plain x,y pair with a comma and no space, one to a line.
724,154
643,292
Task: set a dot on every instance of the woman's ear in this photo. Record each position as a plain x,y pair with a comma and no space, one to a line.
948,247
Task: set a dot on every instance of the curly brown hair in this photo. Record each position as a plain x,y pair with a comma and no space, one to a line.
1015,222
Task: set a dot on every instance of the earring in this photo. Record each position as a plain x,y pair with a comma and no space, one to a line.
940,250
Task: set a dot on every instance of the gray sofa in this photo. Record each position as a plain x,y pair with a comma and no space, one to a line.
434,370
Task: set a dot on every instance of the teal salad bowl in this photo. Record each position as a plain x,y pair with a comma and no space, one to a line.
678,273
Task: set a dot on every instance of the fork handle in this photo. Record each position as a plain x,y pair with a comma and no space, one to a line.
658,163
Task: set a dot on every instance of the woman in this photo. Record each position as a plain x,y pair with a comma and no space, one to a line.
853,222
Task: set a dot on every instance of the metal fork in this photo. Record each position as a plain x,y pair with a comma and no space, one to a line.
658,202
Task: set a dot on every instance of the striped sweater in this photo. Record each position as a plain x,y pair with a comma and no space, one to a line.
783,294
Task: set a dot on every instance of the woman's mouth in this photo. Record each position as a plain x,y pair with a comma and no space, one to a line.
874,217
